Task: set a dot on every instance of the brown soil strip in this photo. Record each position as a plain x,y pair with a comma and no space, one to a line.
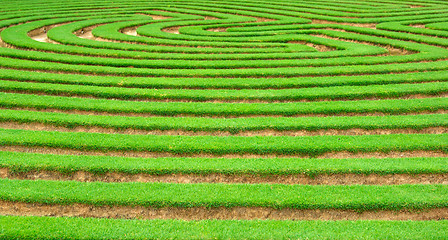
131,114
41,38
40,34
392,154
322,179
199,213
219,29
130,31
210,18
174,30
338,155
35,126
39,31
364,25
1,29
86,33
393,51
417,25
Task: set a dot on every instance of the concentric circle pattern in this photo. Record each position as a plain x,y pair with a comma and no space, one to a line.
255,92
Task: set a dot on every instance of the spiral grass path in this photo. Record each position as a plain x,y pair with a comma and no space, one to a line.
224,119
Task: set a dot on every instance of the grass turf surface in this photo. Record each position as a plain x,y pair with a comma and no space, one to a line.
356,197
307,145
269,51
232,125
23,162
12,227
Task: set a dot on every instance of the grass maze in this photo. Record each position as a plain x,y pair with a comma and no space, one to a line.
306,119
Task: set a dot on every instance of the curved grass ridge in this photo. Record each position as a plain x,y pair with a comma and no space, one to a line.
232,125
58,228
223,83
327,93
25,162
307,145
391,106
355,197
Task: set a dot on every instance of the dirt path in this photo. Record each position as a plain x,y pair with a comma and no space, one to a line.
34,126
321,179
200,213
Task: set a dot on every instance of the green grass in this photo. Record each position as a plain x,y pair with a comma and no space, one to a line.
355,197
224,83
308,145
23,162
349,92
233,125
228,73
12,227
393,106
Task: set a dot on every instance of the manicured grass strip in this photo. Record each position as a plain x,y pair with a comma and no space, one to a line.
23,162
339,92
229,73
309,145
233,125
235,109
15,227
356,197
232,83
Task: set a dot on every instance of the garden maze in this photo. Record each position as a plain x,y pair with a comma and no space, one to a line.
223,119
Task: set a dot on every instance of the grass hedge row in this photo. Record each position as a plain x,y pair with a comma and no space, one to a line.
59,228
307,145
25,162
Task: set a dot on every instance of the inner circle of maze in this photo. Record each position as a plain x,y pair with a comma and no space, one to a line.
226,39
